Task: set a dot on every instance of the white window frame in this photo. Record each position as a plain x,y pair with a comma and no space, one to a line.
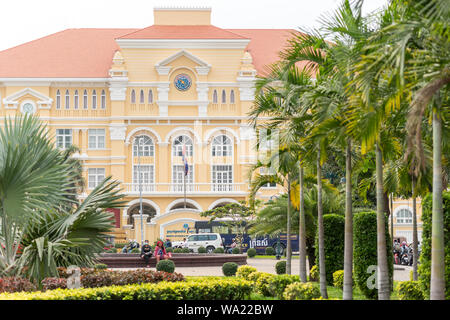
94,99
148,169
58,99
133,96
404,220
215,97
63,138
148,149
179,185
177,149
224,97
76,100
150,96
67,100
95,176
85,100
220,186
270,185
103,100
141,97
99,136
217,150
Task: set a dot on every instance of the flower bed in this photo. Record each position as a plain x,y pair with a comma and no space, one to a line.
224,289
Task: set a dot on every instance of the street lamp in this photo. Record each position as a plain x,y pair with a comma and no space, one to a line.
140,189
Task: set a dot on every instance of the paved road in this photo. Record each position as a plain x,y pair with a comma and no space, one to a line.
401,273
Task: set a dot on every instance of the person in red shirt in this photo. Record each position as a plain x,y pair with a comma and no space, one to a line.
160,252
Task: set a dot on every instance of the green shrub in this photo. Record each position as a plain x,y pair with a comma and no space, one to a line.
333,229
251,252
100,266
185,250
409,290
254,276
280,267
236,250
301,291
223,289
229,269
170,249
338,279
201,250
119,245
270,251
314,273
166,266
263,284
219,250
136,250
177,250
424,267
277,284
365,250
245,271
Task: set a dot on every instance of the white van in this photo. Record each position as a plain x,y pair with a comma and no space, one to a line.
210,241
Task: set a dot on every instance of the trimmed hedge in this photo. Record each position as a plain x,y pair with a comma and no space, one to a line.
229,268
270,251
314,273
236,250
166,266
409,290
224,289
365,250
219,250
334,229
280,267
278,284
16,284
245,271
424,267
251,252
201,250
301,291
263,284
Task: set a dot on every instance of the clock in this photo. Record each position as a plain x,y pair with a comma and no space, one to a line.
182,82
28,107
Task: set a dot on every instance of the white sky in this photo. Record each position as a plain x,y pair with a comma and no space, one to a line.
25,20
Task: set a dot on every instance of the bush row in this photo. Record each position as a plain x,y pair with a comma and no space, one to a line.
224,289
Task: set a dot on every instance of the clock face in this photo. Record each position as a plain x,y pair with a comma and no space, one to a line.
28,108
182,82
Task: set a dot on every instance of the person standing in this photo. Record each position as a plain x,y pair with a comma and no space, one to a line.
146,253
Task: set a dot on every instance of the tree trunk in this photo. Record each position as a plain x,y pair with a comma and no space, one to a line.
391,200
348,244
302,229
288,239
322,271
437,285
311,251
383,270
415,238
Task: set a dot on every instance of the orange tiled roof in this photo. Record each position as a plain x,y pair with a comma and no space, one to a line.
87,53
182,32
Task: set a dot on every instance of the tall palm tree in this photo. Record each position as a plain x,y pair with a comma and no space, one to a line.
411,53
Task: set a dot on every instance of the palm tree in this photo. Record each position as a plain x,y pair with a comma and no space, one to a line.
411,52
38,210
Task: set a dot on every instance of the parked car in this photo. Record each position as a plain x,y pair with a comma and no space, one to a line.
210,241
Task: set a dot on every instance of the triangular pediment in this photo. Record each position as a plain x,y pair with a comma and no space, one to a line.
202,67
12,100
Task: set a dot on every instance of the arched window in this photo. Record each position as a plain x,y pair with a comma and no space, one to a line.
224,96
222,146
58,99
146,147
150,96
141,97
232,97
215,96
146,209
85,99
75,100
103,103
94,99
404,216
67,99
133,96
181,206
179,143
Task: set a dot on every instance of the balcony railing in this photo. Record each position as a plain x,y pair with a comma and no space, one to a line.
190,187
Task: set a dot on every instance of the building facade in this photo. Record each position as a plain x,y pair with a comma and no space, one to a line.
403,219
138,103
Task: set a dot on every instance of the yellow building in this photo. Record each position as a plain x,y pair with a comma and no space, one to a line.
403,219
180,82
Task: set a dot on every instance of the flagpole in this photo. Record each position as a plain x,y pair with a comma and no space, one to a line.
184,190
